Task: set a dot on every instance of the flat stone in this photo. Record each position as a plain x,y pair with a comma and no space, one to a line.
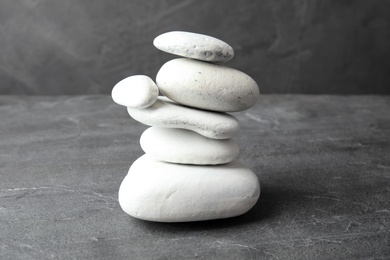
185,146
207,86
165,113
165,192
194,46
137,91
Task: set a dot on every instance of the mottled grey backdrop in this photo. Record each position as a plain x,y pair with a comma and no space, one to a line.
294,46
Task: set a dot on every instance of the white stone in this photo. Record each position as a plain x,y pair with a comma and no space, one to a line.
195,46
207,86
165,113
137,91
185,146
166,192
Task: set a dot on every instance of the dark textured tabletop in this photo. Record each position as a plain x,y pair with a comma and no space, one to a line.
323,163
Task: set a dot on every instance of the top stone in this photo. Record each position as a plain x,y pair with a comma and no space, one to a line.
194,46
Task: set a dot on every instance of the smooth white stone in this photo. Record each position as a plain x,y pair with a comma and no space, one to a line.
207,86
137,91
185,146
165,113
195,46
166,192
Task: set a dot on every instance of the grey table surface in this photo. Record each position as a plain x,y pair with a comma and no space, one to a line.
323,163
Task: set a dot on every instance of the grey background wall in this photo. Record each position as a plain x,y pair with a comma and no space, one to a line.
294,46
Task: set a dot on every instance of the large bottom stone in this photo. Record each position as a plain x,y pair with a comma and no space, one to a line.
166,192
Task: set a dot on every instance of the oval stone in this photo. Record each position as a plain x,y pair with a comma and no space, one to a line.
185,146
166,192
195,46
207,86
165,113
137,91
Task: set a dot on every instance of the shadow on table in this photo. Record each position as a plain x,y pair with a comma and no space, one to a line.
273,201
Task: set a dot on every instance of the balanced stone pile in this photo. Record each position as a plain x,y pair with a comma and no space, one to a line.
189,171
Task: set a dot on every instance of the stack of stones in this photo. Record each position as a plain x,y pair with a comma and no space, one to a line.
189,171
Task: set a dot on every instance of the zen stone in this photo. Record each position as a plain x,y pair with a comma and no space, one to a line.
207,86
137,91
166,192
165,113
195,46
188,147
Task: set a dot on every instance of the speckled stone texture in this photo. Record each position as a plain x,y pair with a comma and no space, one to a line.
295,46
195,46
323,162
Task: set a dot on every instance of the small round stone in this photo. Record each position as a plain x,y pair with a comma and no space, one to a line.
207,86
187,147
194,46
167,192
166,113
137,91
